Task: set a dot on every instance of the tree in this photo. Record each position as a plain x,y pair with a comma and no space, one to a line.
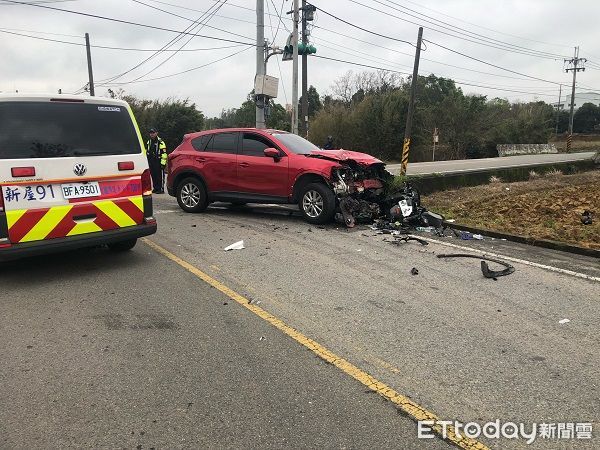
171,117
586,119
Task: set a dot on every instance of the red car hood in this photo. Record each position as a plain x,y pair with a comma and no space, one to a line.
346,155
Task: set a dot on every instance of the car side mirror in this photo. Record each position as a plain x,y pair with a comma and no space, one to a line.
272,153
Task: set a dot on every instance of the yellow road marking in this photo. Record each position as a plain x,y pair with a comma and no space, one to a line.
412,409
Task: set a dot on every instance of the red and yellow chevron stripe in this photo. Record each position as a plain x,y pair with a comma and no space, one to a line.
75,218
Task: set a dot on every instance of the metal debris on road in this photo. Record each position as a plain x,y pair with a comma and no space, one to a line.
563,321
484,266
235,246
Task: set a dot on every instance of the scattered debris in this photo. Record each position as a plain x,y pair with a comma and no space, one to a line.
235,246
562,321
484,266
399,238
262,338
587,217
478,237
414,271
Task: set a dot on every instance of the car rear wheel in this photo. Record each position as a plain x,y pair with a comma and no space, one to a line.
122,246
191,195
317,203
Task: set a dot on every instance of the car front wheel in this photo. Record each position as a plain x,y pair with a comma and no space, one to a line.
317,203
191,195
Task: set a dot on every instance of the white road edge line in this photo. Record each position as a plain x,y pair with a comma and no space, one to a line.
517,260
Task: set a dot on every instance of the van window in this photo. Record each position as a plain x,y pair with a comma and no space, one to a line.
53,130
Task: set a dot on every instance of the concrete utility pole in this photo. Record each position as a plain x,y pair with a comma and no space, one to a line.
558,108
295,71
89,61
576,68
411,105
260,60
304,73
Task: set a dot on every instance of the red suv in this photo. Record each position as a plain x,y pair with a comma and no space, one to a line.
249,165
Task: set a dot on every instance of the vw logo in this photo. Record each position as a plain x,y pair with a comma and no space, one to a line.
80,169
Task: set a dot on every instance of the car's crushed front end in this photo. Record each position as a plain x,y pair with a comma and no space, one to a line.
360,183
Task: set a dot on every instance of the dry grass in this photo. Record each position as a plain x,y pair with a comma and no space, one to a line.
544,208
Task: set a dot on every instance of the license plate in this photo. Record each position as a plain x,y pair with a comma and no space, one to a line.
80,190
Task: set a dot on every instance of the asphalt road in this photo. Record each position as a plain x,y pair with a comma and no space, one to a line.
469,165
133,351
96,354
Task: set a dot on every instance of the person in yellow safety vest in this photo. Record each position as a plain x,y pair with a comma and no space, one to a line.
156,152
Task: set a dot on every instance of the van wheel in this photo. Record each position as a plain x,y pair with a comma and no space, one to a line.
317,203
122,246
191,195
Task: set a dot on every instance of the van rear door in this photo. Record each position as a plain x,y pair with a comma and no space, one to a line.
69,167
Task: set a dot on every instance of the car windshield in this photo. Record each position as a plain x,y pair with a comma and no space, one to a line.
295,143
55,129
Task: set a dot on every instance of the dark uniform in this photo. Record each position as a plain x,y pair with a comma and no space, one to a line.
156,151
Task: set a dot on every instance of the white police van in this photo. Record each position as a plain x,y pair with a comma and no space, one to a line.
73,173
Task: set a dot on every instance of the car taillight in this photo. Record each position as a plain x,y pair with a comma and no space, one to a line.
126,165
146,182
22,172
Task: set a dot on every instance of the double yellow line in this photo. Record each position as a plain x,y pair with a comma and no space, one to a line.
410,408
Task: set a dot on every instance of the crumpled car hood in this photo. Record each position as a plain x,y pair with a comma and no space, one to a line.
345,155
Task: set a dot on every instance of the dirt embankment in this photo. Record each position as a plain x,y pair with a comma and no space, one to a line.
548,207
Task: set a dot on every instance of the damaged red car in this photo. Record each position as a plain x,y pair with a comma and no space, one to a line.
249,165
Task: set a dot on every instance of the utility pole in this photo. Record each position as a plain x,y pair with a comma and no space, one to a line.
89,61
558,108
576,68
260,61
295,71
304,72
411,105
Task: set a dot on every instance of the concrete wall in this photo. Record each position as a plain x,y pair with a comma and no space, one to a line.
525,149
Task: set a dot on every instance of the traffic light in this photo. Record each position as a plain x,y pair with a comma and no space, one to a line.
303,49
306,49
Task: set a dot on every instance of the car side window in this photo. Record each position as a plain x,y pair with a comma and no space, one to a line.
200,142
223,143
254,145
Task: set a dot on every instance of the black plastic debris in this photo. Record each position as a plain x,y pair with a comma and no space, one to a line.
414,271
587,217
399,239
484,266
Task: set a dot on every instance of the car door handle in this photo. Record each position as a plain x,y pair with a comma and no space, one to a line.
244,164
200,159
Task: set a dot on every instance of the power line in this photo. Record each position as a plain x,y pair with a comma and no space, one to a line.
412,56
182,72
453,28
211,15
276,57
106,47
364,29
486,28
455,81
112,19
167,45
493,65
42,32
459,36
392,63
190,20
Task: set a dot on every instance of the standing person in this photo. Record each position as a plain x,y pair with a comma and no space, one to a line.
156,151
329,144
